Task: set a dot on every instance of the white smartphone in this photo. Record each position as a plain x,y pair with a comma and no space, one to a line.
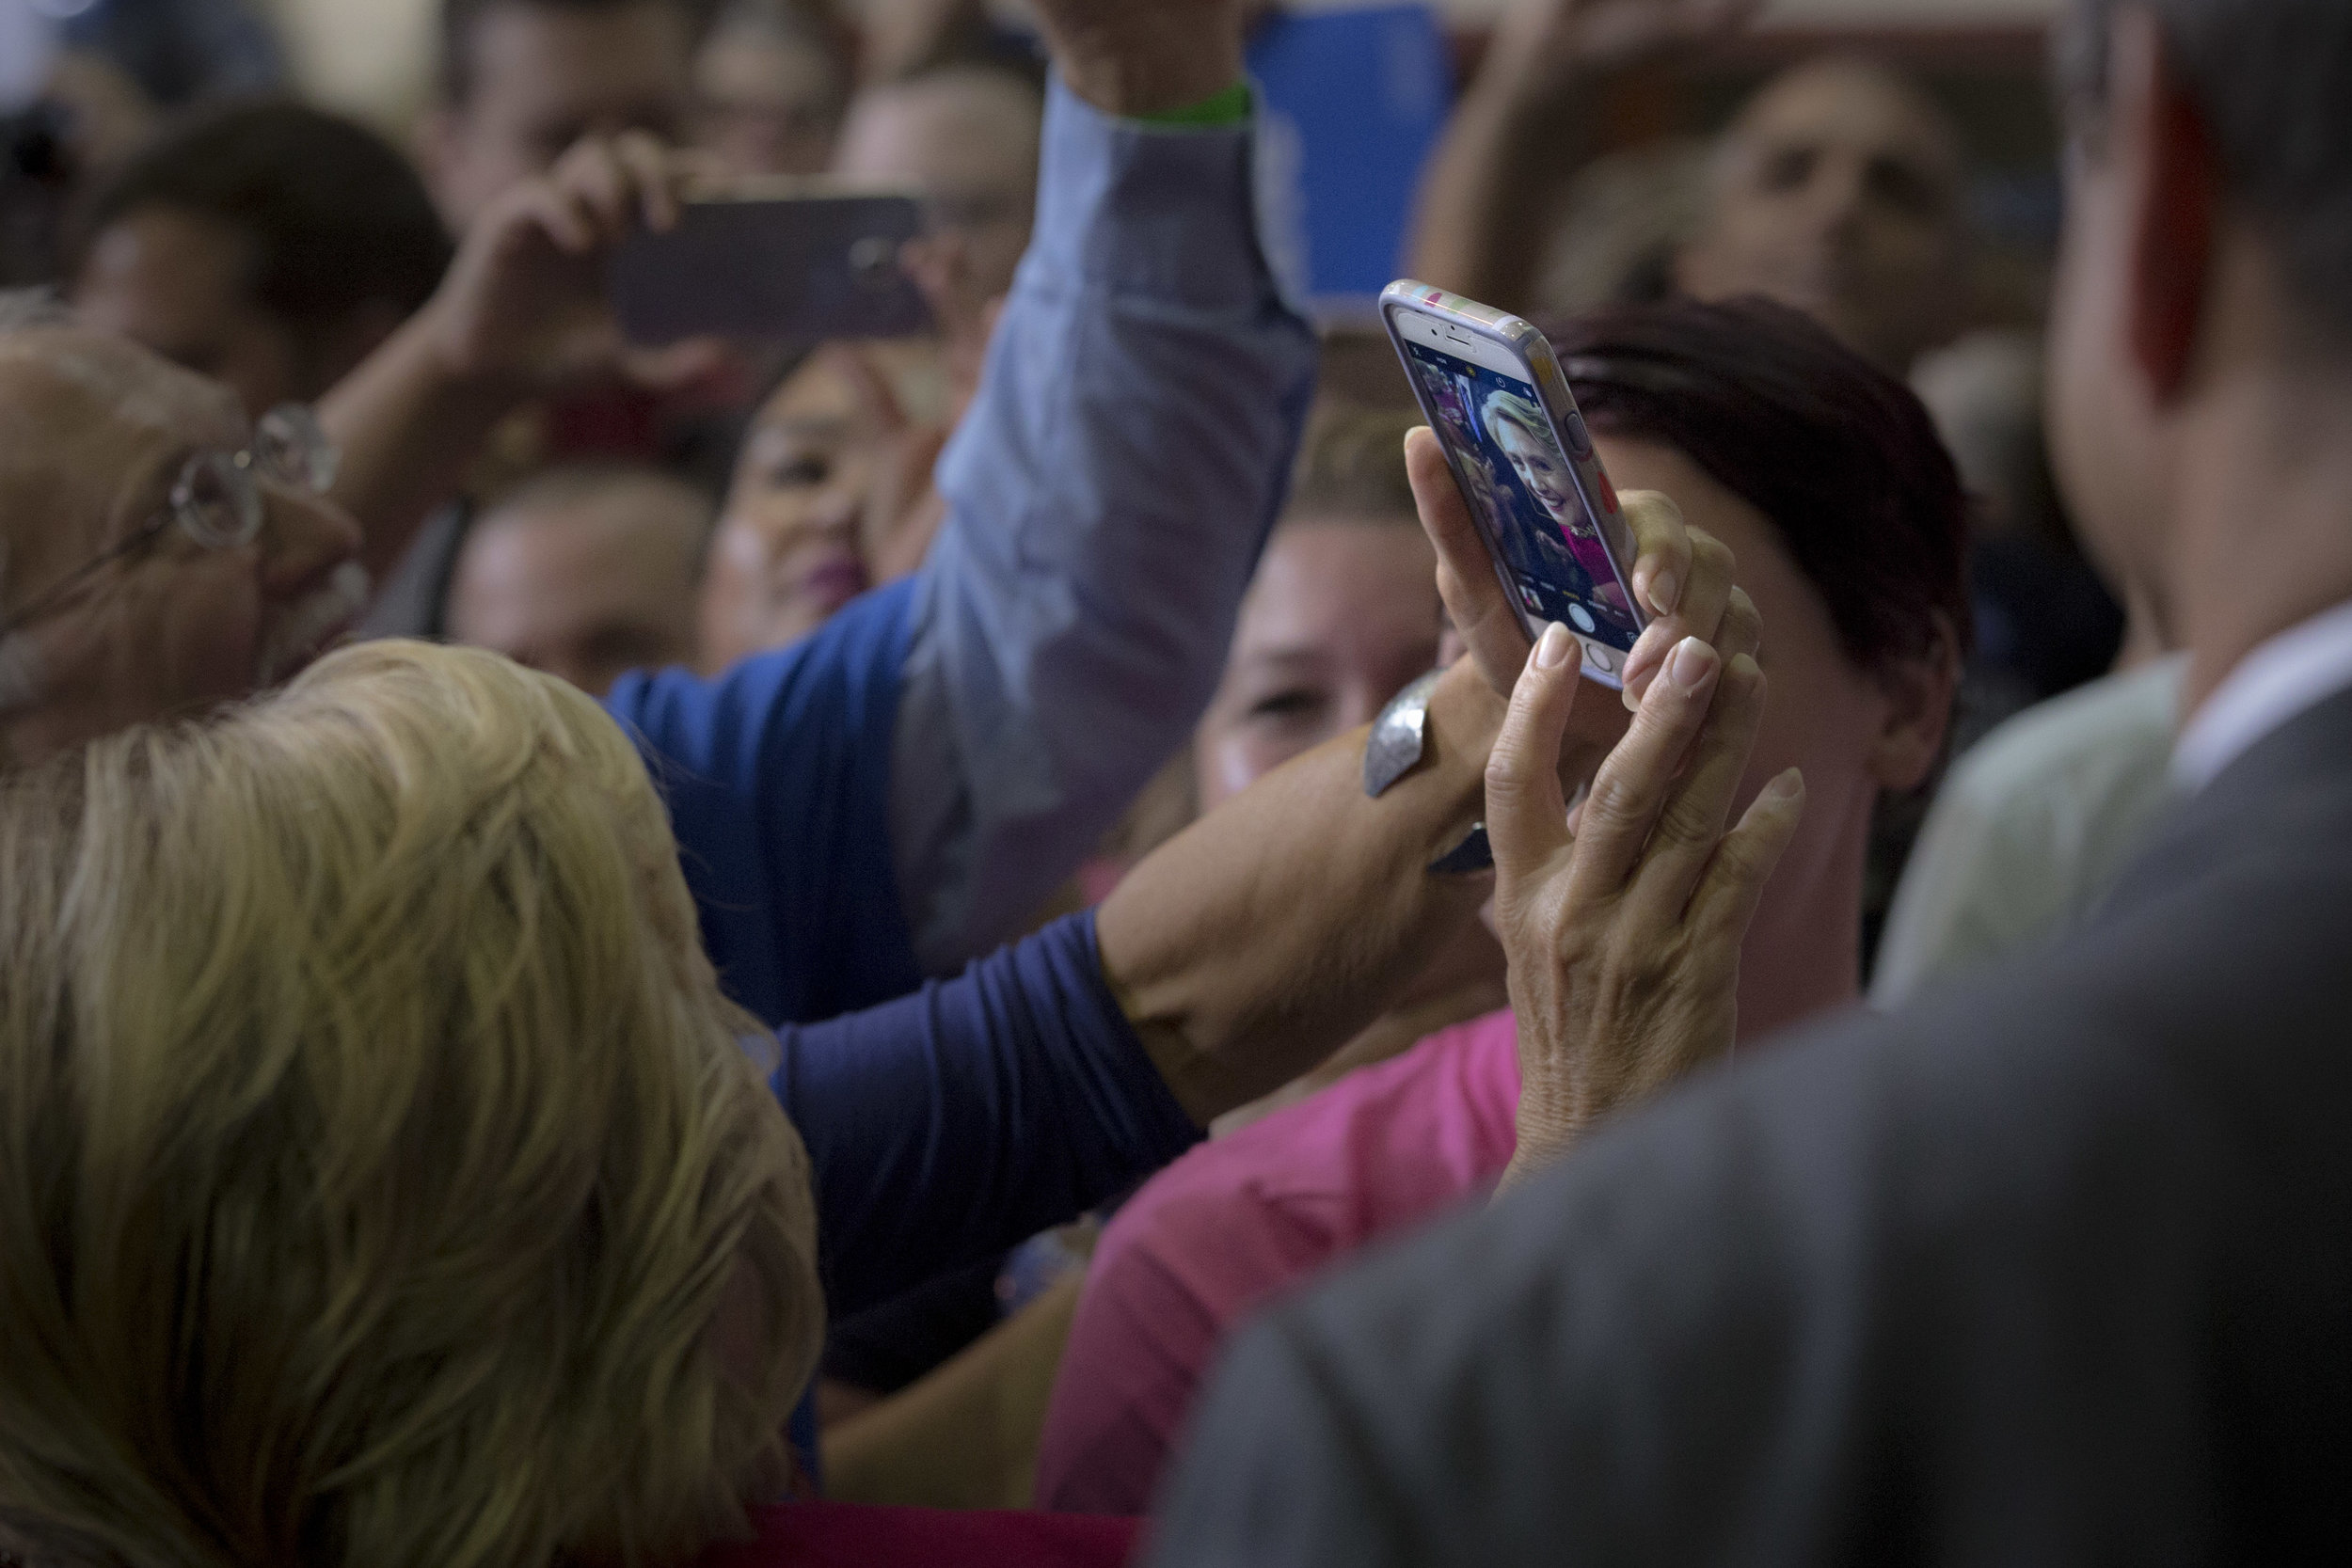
794,263
1492,391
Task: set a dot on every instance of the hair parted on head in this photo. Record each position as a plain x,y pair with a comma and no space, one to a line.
375,1143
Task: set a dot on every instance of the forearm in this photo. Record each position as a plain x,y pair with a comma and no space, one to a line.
408,427
1491,190
1257,941
1107,494
949,1124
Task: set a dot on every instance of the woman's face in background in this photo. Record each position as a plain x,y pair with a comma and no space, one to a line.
830,496
786,555
1344,615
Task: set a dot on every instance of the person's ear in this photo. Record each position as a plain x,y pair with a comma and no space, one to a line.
1919,692
2175,201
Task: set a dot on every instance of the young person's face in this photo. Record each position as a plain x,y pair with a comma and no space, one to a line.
543,78
1342,616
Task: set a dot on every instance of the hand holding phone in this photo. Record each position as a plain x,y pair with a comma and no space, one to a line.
1681,577
1510,430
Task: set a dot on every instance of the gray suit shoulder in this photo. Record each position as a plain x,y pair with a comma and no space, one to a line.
2054,1267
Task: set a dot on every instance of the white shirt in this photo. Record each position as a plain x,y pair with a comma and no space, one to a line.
2031,829
2287,676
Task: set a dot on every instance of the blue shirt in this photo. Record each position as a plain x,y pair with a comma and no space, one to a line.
898,792
949,1124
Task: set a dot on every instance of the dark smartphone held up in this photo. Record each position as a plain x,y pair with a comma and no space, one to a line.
791,262
1492,391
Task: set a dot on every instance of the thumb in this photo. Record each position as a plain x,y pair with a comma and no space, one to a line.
1466,573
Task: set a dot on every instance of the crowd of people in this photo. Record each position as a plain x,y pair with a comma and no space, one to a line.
801,953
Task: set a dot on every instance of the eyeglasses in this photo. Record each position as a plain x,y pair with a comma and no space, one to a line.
216,500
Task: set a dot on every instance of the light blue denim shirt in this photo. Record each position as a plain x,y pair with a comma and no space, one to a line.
1108,496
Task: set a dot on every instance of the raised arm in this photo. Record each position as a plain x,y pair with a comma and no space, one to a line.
1525,127
1111,486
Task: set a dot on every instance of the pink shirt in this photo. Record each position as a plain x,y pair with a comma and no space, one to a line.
1236,1222
845,1535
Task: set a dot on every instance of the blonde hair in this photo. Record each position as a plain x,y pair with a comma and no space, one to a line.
1503,408
375,1143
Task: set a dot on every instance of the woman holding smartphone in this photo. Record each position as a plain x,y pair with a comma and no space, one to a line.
1827,482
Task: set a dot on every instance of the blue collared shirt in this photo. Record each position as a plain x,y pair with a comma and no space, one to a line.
898,792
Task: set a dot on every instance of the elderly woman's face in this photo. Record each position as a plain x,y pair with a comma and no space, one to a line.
98,432
1343,616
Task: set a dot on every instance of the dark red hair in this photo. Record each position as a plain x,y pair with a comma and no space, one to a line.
1839,456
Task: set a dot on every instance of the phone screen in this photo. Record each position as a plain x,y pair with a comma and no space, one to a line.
1520,485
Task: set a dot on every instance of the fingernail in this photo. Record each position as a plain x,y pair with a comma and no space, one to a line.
1787,786
1552,649
1692,662
1665,592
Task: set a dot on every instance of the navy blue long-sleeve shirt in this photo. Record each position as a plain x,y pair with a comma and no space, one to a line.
977,1111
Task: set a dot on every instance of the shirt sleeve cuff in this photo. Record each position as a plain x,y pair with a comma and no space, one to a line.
1177,212
1230,107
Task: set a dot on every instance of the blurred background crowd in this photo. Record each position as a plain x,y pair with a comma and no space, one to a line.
393,212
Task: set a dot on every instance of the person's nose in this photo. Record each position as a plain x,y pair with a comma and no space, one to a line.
1838,194
304,537
834,517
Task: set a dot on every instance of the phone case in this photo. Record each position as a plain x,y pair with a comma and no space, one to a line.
1529,347
793,270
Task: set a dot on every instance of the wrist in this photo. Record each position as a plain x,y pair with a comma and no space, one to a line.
1531,98
1137,76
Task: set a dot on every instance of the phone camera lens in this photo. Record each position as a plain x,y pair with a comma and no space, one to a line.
874,261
